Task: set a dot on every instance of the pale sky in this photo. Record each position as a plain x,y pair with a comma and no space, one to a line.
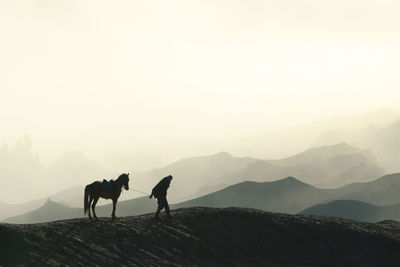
104,76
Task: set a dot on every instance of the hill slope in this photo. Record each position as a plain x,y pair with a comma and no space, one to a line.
203,236
355,210
10,210
382,191
288,195
50,211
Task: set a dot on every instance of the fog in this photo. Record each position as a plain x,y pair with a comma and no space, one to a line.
122,86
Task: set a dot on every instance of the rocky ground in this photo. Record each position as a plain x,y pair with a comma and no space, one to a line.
203,236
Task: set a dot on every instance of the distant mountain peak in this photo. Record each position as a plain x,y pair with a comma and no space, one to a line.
341,145
223,154
51,203
219,155
321,152
292,180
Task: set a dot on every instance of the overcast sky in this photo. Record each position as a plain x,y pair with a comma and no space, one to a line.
104,76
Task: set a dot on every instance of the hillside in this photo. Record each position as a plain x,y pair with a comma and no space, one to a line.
10,210
355,210
288,195
382,191
203,236
50,211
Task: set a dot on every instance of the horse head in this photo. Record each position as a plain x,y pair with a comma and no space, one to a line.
125,180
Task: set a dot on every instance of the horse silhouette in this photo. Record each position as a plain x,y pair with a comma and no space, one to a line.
106,190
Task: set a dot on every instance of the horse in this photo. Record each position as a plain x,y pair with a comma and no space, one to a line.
99,189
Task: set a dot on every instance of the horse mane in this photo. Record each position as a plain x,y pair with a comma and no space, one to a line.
121,176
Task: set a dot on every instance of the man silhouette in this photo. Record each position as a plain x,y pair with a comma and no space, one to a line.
160,193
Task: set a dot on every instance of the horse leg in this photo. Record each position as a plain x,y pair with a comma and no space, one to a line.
113,212
90,201
94,206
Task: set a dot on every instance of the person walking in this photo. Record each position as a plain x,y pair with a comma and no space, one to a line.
160,193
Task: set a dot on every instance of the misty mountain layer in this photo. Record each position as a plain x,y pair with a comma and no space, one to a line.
355,210
288,195
291,195
330,166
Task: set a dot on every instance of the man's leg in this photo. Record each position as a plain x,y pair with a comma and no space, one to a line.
160,206
166,207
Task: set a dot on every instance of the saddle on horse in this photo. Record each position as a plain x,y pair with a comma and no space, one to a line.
109,185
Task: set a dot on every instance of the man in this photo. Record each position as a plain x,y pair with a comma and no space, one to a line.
160,193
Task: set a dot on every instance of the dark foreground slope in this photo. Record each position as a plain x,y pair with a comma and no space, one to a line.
203,236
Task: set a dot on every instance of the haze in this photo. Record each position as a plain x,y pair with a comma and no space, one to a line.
136,85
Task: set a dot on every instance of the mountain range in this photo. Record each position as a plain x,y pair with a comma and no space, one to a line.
333,171
196,178
290,195
326,131
287,195
329,166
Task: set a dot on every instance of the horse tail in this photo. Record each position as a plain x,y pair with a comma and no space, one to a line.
86,200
